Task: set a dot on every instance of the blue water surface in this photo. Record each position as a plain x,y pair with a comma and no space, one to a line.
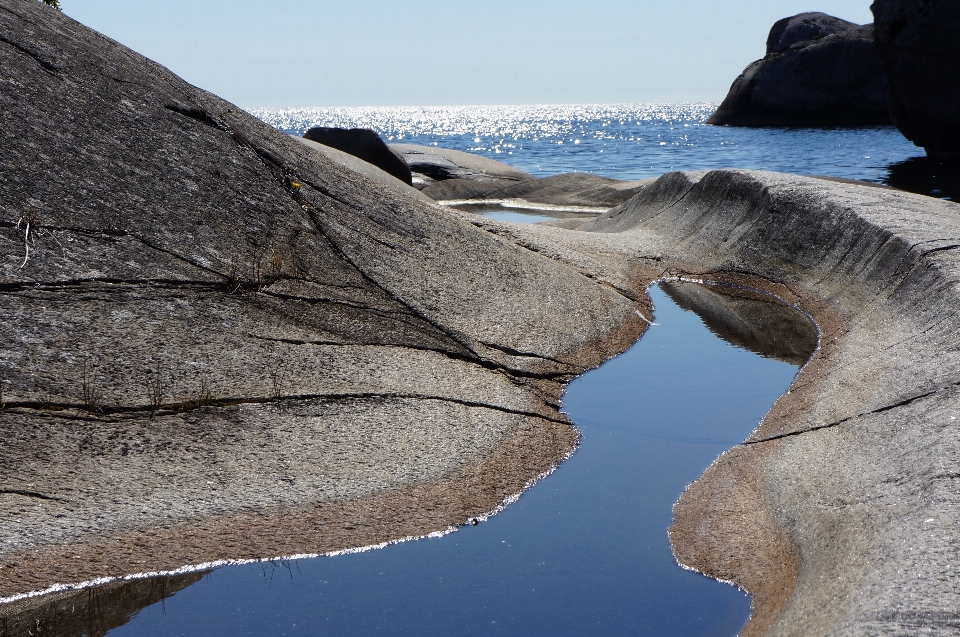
584,552
636,141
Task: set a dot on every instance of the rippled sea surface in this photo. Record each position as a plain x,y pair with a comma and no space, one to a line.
635,141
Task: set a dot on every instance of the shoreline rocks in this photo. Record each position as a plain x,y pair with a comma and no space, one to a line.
920,52
818,71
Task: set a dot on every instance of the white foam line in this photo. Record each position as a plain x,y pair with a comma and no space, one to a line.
523,204
193,568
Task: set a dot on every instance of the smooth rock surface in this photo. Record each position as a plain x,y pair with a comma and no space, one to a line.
364,144
441,164
839,514
920,51
571,190
818,71
218,343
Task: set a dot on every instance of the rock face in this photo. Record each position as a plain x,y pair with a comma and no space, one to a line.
218,343
365,144
818,71
839,513
920,51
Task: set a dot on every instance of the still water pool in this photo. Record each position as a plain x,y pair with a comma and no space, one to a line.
584,552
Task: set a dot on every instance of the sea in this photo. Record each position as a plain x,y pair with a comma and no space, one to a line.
637,141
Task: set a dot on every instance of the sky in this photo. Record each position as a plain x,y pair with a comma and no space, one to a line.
302,53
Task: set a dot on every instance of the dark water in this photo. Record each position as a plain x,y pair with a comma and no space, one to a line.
636,141
584,552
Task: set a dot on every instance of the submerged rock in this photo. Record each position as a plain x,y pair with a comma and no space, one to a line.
818,71
365,144
920,49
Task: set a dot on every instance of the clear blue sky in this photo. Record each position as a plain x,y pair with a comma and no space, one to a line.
270,53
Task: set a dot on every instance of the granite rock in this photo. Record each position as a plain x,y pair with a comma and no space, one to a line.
432,163
818,71
219,343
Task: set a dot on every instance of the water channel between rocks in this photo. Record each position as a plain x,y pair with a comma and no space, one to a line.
584,552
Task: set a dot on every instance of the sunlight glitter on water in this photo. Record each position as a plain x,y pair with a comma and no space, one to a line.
623,141
524,122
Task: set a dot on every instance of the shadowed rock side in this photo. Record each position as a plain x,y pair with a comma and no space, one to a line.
364,144
920,51
92,612
364,168
218,343
818,71
748,320
840,512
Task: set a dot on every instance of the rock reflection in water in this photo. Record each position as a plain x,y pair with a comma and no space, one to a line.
750,320
926,176
91,612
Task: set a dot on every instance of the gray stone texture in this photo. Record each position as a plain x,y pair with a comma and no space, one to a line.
219,343
920,51
840,512
818,71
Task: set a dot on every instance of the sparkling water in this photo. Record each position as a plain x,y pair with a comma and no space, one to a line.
631,141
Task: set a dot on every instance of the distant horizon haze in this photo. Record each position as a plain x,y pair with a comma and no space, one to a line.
328,53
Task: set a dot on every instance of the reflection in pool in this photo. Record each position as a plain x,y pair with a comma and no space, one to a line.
586,550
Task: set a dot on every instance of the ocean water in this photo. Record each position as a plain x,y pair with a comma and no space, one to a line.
636,141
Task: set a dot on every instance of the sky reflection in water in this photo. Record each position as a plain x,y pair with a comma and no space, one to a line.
583,552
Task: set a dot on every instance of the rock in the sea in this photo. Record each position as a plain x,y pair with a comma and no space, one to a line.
442,164
919,45
818,71
365,144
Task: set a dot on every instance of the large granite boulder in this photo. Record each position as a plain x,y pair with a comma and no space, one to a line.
920,50
818,71
365,144
219,343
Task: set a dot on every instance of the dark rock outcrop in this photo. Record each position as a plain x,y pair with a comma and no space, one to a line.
920,51
365,144
366,169
818,71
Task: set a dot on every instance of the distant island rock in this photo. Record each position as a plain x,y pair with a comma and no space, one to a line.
920,52
818,71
